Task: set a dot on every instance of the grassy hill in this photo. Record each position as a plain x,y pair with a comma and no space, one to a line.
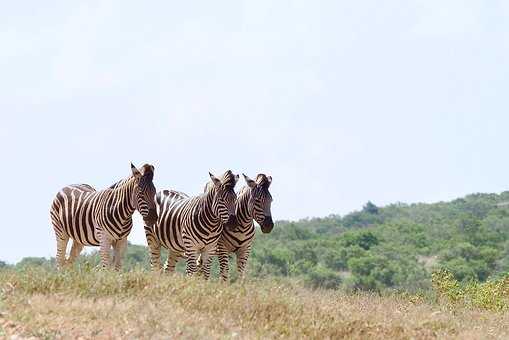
138,304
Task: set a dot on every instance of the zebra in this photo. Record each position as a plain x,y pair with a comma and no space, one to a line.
102,218
254,202
189,227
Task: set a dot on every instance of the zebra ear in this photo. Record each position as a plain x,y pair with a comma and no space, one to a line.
249,181
214,179
136,172
269,178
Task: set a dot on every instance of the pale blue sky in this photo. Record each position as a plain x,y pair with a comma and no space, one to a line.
340,101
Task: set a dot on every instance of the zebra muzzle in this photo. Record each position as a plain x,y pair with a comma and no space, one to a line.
267,225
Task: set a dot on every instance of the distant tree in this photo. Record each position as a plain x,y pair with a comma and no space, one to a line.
363,239
368,216
468,262
370,208
3,264
467,223
322,277
372,272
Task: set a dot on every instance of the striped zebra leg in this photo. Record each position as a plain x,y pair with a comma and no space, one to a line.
205,262
154,248
118,252
171,262
242,256
105,249
224,262
192,258
61,249
75,252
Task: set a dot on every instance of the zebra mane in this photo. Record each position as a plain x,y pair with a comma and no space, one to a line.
119,183
229,180
147,172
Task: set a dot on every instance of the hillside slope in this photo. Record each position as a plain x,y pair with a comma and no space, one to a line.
395,247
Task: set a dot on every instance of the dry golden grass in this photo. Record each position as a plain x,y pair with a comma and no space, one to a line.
82,304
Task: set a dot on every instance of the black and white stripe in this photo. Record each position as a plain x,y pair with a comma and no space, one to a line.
253,203
189,227
102,218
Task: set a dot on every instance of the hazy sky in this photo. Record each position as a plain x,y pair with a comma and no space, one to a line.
340,101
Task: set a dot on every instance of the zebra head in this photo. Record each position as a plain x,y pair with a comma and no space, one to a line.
144,193
260,201
224,199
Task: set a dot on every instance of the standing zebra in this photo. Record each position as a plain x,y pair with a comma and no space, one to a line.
190,226
102,218
254,202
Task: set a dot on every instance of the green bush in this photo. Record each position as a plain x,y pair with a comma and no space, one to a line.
492,295
322,277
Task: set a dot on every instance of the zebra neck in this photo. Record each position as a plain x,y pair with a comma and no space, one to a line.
206,213
242,211
123,200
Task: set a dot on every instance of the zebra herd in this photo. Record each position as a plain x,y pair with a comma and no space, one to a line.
215,223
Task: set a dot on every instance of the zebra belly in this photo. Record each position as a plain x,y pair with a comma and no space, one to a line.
114,232
199,242
170,237
198,245
83,233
